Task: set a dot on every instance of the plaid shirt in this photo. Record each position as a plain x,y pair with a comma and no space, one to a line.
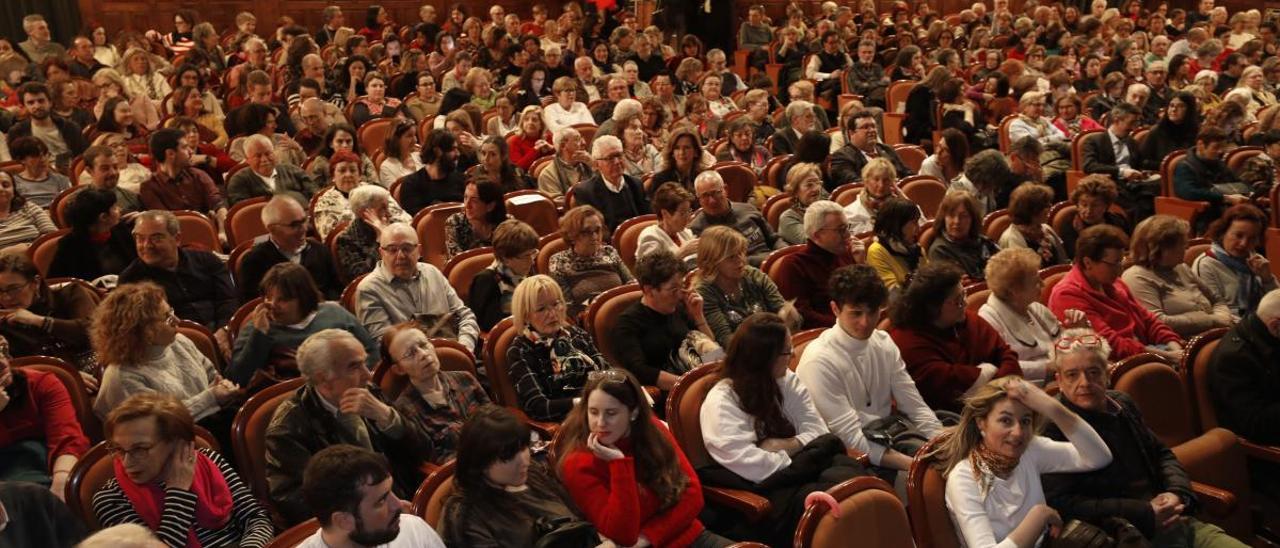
441,425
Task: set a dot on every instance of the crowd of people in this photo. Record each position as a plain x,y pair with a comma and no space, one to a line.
1064,120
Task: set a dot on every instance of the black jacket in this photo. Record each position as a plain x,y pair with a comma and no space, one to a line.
70,132
77,257
847,164
616,206
784,142
315,258
199,290
1244,378
418,190
485,298
1098,156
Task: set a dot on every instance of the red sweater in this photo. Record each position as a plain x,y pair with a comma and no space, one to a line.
522,151
42,411
1115,314
803,276
944,363
611,497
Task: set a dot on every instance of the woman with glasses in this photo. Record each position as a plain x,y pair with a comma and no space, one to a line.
111,84
375,103
1031,122
550,358
39,320
804,184
589,267
674,206
1094,287
879,180
566,110
1163,282
184,494
623,469
731,289
1015,311
741,145
333,206
436,403
21,221
1029,209
425,101
515,250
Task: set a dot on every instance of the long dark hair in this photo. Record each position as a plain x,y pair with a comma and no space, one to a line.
755,347
508,179
925,294
492,434
1190,127
108,123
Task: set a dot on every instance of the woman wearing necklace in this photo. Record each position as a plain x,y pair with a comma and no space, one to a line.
1015,311
731,289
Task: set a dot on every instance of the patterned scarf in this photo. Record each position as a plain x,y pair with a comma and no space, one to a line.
989,465
569,366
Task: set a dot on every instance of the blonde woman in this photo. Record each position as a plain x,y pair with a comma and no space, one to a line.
731,289
111,84
1014,310
804,184
1161,280
1252,83
141,77
550,358
480,83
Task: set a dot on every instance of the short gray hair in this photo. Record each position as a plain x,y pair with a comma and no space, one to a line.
624,109
710,176
275,206
563,133
314,356
365,196
603,145
1101,351
816,215
259,140
1269,306
797,108
398,228
170,220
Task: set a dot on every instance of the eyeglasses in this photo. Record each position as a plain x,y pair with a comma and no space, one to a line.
844,229
615,157
1065,344
136,452
608,375
404,249
13,289
423,347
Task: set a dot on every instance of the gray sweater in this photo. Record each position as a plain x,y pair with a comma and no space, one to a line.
179,369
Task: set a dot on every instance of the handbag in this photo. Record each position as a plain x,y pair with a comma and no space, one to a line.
564,532
900,434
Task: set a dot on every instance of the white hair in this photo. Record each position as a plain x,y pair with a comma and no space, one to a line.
365,196
1269,306
816,215
709,176
626,108
603,145
798,108
394,229
125,535
258,139
315,356
276,206
563,133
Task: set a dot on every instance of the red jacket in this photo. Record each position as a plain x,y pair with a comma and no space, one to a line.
610,495
1114,313
522,151
944,363
41,410
803,276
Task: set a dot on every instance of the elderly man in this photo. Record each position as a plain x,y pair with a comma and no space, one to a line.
287,223
571,165
717,63
337,405
1144,484
617,195
315,123
196,283
740,216
177,185
862,140
400,289
82,62
104,174
803,276
584,76
866,77
801,117
1243,382
39,44
265,177
624,110
616,89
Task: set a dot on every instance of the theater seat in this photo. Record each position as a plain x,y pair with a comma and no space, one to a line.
73,383
428,501
244,220
249,438
869,512
603,314
626,239
294,536
463,267
926,503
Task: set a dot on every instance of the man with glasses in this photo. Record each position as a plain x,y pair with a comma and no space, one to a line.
195,282
315,123
741,216
401,289
862,140
1116,154
803,276
827,65
287,223
265,177
1144,484
617,195
1229,77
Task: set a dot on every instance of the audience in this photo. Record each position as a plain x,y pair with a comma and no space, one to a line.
176,185
515,252
878,186
740,216
195,282
570,164
1161,280
435,403
958,237
37,181
731,289
862,145
264,176
665,333
43,438
287,242
1232,269
439,180
589,266
550,358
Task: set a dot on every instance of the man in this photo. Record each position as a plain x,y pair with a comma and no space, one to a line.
104,174
286,223
584,76
1243,382
1200,173
825,67
315,123
1144,483
855,373
258,92
196,283
1189,44
800,115
803,276
1229,77
496,16
439,180
63,137
617,195
265,177
1204,11
1024,165
718,64
401,289
333,20
740,216
1157,80
803,90
866,77
616,90
313,70
635,86
337,405
39,44
176,185
82,62
1114,153
862,143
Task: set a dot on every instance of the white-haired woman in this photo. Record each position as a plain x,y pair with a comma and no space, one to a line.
358,244
1031,121
333,206
142,78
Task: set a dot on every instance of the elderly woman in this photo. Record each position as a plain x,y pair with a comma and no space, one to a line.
375,103
665,333
1014,310
495,165
674,206
291,310
878,178
572,163
515,250
1093,198
530,142
21,221
186,495
479,82
710,85
550,358
111,84
640,156
589,266
566,110
482,209
43,438
333,206
682,160
1161,280
958,236
742,146
1029,209
98,244
1252,82
1031,122
804,184
1232,269
896,253
358,243
1070,121
436,403
402,156
1094,286
731,289
141,77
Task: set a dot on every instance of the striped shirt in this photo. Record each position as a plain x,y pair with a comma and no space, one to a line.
248,526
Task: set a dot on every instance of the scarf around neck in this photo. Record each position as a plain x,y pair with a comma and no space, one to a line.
1249,283
989,465
213,498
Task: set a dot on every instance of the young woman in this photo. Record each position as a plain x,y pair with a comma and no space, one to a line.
402,153
482,209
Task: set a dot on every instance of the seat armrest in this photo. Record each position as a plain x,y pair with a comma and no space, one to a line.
753,506
1216,502
1269,453
859,456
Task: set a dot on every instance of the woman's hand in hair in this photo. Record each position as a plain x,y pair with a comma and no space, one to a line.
182,466
1034,398
602,451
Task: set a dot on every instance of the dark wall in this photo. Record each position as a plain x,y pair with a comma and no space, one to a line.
63,17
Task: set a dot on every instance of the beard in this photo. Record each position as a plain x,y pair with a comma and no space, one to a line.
375,537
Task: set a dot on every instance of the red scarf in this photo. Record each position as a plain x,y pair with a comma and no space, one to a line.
213,497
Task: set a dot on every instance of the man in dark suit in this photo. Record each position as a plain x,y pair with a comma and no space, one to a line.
617,195
1243,380
1114,153
862,144
801,118
286,223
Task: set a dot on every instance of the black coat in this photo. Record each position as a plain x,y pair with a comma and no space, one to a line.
264,255
847,164
1244,378
78,257
616,207
1098,156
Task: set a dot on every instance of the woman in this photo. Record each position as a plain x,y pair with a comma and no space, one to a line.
1161,280
742,146
480,83
759,415
135,334
132,173
141,77
623,469
436,403
719,104
1069,120
589,266
674,206
1029,210
994,459
332,206
682,161
482,209
1176,130
496,166
351,76
515,249
550,359
532,141
357,245
37,180
1093,198
949,153
531,88
42,321
958,236
291,310
921,103
117,117
804,184
375,103
66,102
259,119
156,464
375,19
207,48
98,244
731,289
567,110
570,165
425,101
896,253
1253,82
103,50
640,157
402,156
909,65
1014,310
1232,269
340,137
180,41
1032,123
190,103
111,84
21,221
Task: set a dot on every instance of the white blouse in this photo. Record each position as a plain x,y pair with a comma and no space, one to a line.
730,436
1030,335
393,169
654,238
555,116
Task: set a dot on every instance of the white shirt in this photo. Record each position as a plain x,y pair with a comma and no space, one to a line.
555,116
613,187
1030,337
393,169
654,238
858,216
270,180
986,521
414,533
730,436
854,382
1122,153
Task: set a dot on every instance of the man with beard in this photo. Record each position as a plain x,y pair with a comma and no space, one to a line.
104,174
63,137
439,180
177,185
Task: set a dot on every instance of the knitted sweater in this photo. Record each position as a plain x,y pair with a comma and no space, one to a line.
178,369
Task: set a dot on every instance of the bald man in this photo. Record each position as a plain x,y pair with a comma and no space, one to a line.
287,224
